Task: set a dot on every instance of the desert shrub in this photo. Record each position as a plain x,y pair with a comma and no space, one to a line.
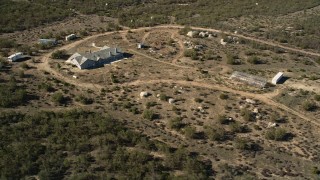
224,96
277,134
317,97
58,98
247,115
84,100
215,134
46,86
309,106
148,114
232,59
241,143
254,60
6,43
315,171
198,100
184,30
21,74
163,97
190,53
277,119
59,54
114,78
236,127
176,123
24,66
246,144
151,104
190,132
222,119
3,63
12,95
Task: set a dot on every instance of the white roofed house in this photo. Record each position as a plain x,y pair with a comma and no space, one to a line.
48,42
105,55
277,78
15,57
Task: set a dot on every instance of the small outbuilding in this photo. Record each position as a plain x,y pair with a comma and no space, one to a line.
15,57
277,78
48,42
71,37
144,94
192,33
141,46
171,101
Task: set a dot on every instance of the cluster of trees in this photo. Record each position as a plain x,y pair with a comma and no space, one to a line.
58,145
11,94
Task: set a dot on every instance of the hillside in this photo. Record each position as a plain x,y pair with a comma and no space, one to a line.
159,89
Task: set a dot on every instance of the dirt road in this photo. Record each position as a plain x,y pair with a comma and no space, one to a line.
264,98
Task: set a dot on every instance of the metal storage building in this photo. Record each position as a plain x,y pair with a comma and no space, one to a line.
249,79
277,78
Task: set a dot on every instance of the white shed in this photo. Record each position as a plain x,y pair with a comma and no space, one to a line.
71,37
15,57
192,33
140,46
277,78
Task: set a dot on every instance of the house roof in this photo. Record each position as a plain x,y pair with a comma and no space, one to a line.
16,54
104,53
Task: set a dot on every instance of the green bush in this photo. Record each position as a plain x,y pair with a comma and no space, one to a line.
222,119
58,98
6,43
247,115
215,134
190,53
236,127
224,96
59,54
309,106
254,60
190,132
24,66
151,104
12,95
84,100
277,134
163,97
176,123
148,114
